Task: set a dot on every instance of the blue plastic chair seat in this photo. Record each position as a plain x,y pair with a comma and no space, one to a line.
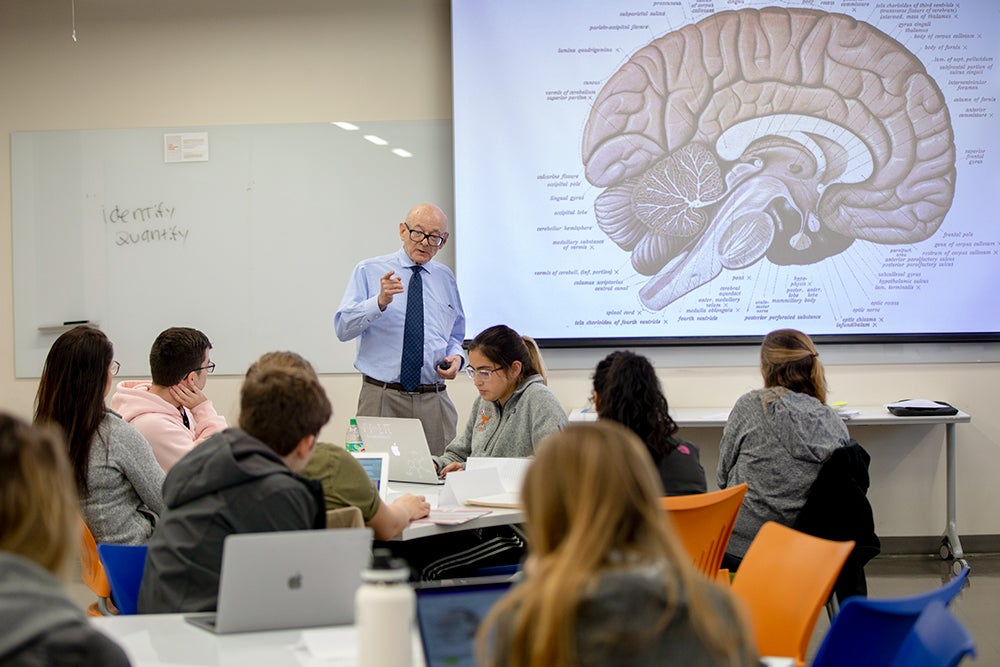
870,632
937,639
124,565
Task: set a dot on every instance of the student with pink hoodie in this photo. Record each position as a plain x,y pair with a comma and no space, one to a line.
172,412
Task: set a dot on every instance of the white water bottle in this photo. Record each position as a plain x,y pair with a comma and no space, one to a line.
352,439
383,613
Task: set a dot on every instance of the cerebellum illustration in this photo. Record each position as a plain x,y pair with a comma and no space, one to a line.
774,134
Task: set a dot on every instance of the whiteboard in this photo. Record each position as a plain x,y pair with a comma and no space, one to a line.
253,246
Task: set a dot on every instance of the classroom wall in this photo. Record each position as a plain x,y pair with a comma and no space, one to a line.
140,63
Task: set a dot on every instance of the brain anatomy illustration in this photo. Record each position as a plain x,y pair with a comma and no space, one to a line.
777,133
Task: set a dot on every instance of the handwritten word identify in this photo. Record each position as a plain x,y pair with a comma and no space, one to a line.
124,215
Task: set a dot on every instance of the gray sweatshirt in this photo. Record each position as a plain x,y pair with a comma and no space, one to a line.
613,622
42,627
126,485
531,413
776,441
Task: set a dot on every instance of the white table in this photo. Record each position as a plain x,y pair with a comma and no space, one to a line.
867,415
167,640
498,516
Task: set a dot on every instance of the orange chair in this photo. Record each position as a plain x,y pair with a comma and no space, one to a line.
784,581
92,573
704,522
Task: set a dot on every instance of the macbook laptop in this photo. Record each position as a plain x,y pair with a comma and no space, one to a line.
449,613
376,464
289,579
404,441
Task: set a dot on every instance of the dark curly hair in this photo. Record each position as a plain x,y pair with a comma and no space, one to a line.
628,392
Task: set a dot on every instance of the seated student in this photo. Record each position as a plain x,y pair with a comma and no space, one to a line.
626,390
38,535
242,480
117,478
606,581
515,409
777,438
172,412
345,482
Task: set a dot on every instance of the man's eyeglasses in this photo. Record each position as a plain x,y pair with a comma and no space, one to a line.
418,236
210,368
115,367
481,373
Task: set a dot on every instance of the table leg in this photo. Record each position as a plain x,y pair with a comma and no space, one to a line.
951,528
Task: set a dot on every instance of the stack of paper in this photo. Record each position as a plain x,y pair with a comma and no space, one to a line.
485,482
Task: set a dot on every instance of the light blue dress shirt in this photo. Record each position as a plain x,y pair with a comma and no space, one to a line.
380,333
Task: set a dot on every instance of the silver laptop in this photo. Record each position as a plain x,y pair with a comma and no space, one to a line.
404,441
289,579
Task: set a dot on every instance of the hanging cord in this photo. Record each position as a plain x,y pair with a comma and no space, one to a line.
72,4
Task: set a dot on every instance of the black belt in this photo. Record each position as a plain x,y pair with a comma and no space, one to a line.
419,389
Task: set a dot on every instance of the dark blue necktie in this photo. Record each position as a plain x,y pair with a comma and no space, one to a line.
413,333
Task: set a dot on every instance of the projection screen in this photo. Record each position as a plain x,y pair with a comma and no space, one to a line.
660,172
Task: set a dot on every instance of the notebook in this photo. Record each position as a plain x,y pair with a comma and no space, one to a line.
376,464
404,441
449,613
289,579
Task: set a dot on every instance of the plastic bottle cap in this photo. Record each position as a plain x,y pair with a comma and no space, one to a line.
354,422
385,568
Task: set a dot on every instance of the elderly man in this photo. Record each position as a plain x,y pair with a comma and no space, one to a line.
405,311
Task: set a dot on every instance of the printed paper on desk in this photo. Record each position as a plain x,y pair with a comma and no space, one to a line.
450,517
583,415
914,403
511,470
461,485
337,646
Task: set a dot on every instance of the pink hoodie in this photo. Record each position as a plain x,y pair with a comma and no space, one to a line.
161,423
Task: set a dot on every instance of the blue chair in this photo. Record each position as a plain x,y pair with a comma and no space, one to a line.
869,632
937,639
124,564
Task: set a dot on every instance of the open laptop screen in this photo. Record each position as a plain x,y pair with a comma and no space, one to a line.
448,615
377,466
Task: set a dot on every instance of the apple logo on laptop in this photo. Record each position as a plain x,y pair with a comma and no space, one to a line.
394,449
295,581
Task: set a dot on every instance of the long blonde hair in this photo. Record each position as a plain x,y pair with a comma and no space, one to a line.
39,513
789,359
592,503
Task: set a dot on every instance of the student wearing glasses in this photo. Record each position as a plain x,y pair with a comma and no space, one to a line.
405,312
117,478
242,480
515,408
172,411
514,412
